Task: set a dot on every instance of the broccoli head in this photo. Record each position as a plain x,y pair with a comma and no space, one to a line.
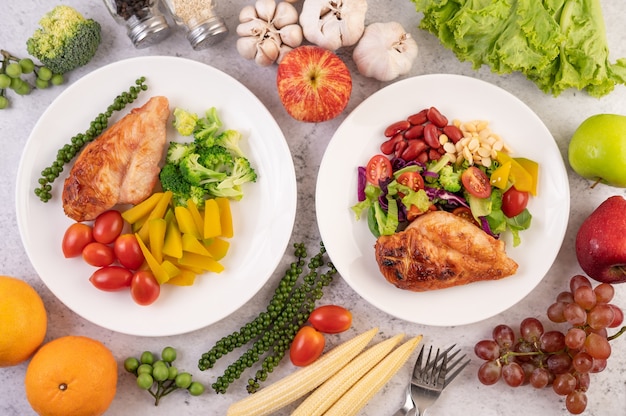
229,139
207,128
449,179
241,173
235,192
65,40
184,121
178,151
216,157
172,180
196,174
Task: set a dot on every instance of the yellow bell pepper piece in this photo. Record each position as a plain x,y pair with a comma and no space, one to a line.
173,244
192,245
531,167
500,176
212,225
217,247
158,212
159,272
142,209
184,278
518,176
202,262
156,237
170,268
196,215
186,224
226,217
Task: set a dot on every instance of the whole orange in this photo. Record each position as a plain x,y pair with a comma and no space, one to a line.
23,321
71,375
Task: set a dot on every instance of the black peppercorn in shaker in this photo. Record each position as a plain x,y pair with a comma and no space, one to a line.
144,22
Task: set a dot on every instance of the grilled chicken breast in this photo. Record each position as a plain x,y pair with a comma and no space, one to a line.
121,166
440,250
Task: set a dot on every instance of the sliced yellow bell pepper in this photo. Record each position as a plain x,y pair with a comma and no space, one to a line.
518,176
202,262
217,247
212,225
531,167
173,244
184,278
196,215
142,209
500,176
158,212
170,268
156,237
159,272
192,245
226,217
185,221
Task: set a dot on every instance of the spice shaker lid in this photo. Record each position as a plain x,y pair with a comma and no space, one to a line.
208,33
148,32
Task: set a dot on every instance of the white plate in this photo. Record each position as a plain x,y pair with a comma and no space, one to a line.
349,243
263,219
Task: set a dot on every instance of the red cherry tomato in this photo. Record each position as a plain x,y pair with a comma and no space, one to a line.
331,319
128,251
514,202
378,168
76,237
108,226
307,346
476,182
144,288
98,254
111,278
412,180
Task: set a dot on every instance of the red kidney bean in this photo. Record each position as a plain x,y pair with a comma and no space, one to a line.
431,136
422,157
399,149
389,146
433,154
414,148
397,127
435,117
453,132
414,132
418,118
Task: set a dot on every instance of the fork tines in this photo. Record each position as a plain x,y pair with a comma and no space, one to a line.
437,370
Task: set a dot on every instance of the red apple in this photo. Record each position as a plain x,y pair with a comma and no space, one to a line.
314,84
601,242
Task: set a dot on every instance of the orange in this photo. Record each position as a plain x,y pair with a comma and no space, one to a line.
23,321
71,375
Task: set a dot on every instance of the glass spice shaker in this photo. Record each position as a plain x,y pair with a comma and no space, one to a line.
144,22
203,26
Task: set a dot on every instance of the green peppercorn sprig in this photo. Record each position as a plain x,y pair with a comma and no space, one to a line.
96,127
273,330
15,73
159,376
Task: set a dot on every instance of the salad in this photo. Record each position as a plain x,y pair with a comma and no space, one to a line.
427,163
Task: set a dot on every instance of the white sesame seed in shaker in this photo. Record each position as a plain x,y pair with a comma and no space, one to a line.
203,25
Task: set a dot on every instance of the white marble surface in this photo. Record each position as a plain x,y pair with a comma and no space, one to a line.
307,142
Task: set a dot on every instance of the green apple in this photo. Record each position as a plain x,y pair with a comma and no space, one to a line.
597,150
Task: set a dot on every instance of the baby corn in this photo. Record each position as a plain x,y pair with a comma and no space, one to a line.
328,393
301,382
362,392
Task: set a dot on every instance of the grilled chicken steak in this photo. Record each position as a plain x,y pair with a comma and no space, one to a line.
439,250
121,166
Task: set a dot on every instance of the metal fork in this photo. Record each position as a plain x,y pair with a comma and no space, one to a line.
428,381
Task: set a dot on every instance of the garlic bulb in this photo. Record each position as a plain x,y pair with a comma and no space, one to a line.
332,24
268,30
385,51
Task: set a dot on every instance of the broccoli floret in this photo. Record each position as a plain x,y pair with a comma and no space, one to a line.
449,179
65,40
196,174
172,180
216,157
229,139
178,151
207,127
184,121
235,192
241,173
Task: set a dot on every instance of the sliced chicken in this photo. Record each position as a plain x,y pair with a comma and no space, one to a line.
440,250
121,166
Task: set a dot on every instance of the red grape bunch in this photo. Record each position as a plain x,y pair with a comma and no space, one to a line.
561,359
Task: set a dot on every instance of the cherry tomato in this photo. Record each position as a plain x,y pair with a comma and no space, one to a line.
412,180
128,251
514,202
307,346
331,319
476,182
108,226
144,288
111,278
98,254
378,168
466,214
76,237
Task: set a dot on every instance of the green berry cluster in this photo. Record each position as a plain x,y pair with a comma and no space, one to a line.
14,74
273,330
159,376
96,127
